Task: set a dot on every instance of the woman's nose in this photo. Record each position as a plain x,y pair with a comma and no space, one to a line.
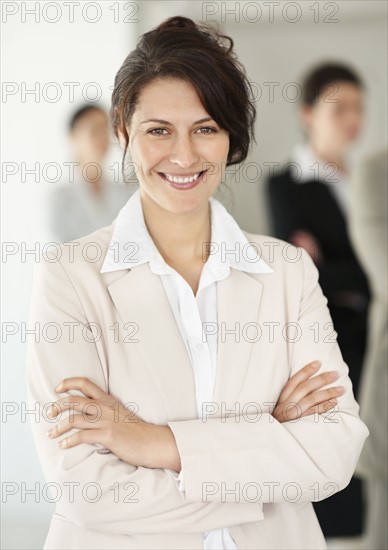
184,153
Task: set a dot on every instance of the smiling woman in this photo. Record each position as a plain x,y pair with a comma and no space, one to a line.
178,428
185,154
180,49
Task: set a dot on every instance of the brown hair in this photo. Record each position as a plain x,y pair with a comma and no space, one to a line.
81,111
180,48
322,76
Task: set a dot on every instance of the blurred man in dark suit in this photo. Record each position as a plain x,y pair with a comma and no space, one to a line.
309,202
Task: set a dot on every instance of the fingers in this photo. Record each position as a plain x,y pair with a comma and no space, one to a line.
319,397
66,403
78,403
85,385
83,436
303,374
294,409
321,408
300,396
78,421
312,384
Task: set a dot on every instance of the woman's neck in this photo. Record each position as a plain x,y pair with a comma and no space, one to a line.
178,237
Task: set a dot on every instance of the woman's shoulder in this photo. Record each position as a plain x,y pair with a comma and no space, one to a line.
83,256
277,253
294,273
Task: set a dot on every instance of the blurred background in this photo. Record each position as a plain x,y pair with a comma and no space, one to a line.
57,56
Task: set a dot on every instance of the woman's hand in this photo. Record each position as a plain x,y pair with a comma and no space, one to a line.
100,418
306,240
300,396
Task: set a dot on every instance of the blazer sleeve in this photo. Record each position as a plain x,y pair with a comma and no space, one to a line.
93,488
307,459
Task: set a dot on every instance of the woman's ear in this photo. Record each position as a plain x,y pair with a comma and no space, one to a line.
122,139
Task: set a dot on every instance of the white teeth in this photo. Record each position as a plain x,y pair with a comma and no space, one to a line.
182,180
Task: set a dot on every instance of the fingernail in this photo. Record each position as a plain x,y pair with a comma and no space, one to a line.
334,375
340,389
59,387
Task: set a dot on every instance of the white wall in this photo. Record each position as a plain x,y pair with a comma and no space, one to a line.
36,53
34,131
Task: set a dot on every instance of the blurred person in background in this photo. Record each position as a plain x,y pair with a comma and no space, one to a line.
369,225
309,202
91,201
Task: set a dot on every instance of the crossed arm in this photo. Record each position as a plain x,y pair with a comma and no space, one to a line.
142,453
122,432
150,445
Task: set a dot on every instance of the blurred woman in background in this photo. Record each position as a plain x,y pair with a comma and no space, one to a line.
91,201
309,202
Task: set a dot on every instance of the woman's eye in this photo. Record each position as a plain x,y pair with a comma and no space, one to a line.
212,130
157,131
154,130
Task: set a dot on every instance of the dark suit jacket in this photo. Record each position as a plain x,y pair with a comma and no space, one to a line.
312,206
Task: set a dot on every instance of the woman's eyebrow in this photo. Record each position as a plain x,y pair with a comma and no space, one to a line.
160,121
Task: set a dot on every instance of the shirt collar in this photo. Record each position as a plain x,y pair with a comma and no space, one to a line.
131,244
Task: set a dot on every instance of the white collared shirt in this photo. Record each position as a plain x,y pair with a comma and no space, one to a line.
310,167
229,249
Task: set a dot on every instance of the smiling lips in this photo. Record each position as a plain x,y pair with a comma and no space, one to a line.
183,182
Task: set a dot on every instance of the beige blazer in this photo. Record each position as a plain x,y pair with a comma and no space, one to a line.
245,471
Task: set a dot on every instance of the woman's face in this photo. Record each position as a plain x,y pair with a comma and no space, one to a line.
90,136
336,118
177,142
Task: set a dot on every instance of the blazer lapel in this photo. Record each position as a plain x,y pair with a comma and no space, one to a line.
139,297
